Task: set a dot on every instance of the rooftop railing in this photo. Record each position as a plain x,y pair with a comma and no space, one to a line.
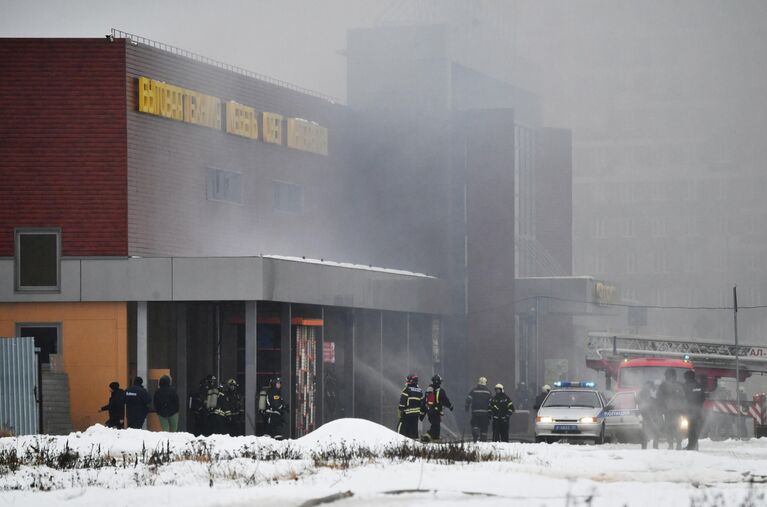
137,39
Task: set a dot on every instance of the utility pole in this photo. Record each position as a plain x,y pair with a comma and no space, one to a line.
737,357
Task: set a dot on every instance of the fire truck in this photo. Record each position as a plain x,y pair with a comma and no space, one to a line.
632,359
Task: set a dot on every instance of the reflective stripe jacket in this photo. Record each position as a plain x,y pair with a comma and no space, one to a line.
501,407
479,399
411,400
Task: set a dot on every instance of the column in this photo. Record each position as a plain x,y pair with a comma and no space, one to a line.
181,368
142,358
286,364
251,381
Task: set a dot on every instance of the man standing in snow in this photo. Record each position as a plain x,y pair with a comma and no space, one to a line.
275,408
116,407
434,401
501,408
695,396
478,401
137,404
672,402
410,405
166,405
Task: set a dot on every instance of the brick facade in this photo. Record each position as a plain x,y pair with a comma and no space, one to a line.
63,156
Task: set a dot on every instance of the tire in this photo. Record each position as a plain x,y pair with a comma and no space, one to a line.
601,438
539,440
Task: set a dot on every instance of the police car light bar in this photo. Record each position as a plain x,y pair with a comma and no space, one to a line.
567,383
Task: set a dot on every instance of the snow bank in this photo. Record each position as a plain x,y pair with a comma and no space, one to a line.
354,432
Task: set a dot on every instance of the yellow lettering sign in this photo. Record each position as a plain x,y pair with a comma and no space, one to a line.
241,120
307,136
271,125
146,97
177,103
203,110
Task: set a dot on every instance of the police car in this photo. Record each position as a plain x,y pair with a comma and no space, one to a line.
572,411
623,421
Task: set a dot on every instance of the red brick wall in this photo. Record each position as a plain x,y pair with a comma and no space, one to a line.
63,154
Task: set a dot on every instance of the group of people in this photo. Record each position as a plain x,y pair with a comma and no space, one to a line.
134,402
665,409
217,408
416,404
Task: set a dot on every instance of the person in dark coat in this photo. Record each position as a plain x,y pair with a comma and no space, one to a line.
166,405
478,401
434,402
116,407
695,396
275,409
137,402
501,408
410,407
671,402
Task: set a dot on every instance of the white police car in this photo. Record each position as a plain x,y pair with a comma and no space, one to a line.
623,420
572,411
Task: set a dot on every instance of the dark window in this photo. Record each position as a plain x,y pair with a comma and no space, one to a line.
46,339
224,185
38,257
288,197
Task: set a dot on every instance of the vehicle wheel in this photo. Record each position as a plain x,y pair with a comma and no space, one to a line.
601,438
538,440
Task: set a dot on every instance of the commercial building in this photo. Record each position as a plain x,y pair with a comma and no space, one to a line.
164,213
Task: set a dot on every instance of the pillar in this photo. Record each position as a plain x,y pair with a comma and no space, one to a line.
142,358
251,381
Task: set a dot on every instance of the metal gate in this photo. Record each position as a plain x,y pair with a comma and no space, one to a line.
18,386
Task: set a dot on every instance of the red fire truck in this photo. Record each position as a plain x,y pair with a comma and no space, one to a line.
632,360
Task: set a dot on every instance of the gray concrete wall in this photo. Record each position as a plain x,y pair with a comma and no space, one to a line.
234,279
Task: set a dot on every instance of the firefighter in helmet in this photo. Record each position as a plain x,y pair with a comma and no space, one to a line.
410,405
478,401
434,401
274,409
501,409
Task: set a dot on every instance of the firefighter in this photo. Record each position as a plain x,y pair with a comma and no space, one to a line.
695,397
433,403
116,406
501,408
196,406
410,406
541,396
478,401
671,402
212,391
275,408
230,409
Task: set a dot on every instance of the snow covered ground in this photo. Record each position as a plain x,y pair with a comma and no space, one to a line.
130,467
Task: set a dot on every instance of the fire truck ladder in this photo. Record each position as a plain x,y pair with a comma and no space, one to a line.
606,346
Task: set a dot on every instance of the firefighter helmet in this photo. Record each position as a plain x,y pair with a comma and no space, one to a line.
436,379
231,384
275,381
546,388
482,381
499,386
412,378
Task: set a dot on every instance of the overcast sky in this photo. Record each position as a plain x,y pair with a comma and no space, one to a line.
297,41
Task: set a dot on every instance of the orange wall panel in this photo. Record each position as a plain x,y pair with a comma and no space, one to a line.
94,339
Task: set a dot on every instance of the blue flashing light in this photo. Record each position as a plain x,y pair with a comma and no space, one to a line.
567,383
687,358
